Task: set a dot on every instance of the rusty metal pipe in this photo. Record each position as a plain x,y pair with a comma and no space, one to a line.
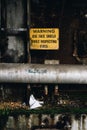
42,73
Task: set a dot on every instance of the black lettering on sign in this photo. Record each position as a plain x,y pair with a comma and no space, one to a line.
48,41
43,46
35,41
41,36
34,36
51,36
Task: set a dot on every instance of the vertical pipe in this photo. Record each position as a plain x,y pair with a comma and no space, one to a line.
28,12
24,3
28,51
6,17
4,14
4,26
75,125
0,15
0,29
28,24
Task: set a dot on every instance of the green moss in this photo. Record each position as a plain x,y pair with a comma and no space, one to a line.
59,110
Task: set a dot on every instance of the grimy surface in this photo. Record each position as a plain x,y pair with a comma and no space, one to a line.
40,73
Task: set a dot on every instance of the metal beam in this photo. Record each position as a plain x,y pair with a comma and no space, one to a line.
41,73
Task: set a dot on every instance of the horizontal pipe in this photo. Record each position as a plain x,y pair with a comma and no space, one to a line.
14,31
42,73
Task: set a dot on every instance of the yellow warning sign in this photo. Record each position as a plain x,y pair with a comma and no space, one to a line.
44,38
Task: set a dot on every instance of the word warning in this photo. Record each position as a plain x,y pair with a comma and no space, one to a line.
44,38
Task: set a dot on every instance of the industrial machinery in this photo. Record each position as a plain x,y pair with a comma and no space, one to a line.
43,62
